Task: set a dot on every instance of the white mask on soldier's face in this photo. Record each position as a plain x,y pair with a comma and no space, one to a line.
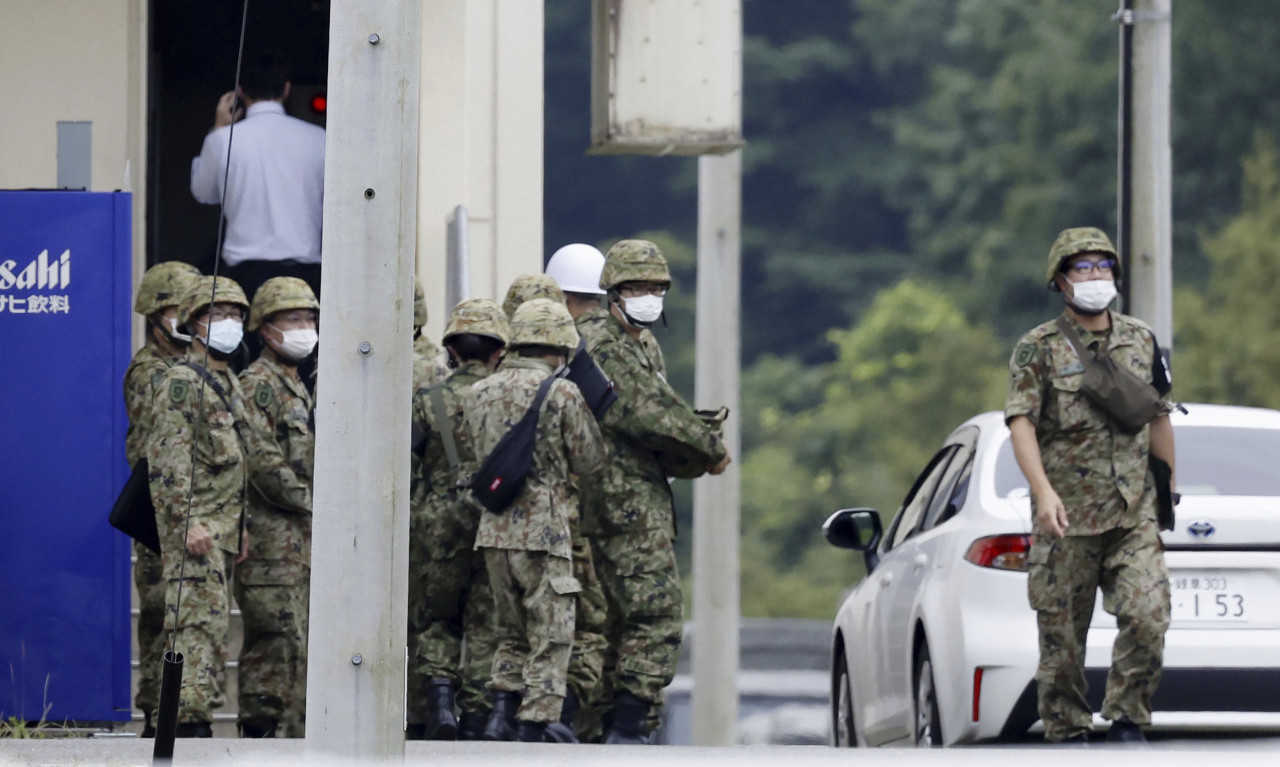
297,343
173,331
225,335
1093,296
645,309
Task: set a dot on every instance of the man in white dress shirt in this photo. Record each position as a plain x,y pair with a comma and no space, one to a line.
275,183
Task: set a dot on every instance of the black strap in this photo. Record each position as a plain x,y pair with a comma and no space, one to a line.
213,384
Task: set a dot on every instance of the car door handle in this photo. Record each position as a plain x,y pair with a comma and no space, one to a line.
886,580
920,561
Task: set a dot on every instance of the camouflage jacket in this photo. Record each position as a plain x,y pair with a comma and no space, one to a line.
648,421
281,448
217,483
568,443
450,521
1099,471
145,374
427,370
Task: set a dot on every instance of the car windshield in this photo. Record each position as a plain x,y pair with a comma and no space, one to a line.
1212,460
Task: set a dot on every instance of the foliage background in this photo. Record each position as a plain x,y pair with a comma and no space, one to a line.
908,164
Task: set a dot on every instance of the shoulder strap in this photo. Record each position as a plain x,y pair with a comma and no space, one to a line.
212,382
543,389
1074,338
444,424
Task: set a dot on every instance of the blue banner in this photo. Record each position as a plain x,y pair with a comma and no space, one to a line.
65,284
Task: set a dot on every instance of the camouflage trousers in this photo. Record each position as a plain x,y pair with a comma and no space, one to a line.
273,597
591,615
534,596
148,577
642,585
202,617
1064,577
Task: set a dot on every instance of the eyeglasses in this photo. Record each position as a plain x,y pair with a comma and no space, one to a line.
637,289
1083,268
296,317
216,315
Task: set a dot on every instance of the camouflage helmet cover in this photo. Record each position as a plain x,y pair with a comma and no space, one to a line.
196,299
633,261
478,316
163,286
527,287
543,322
280,294
1073,242
419,305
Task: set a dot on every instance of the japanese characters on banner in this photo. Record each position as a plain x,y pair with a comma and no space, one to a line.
38,287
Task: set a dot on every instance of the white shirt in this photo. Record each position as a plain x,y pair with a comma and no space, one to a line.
275,187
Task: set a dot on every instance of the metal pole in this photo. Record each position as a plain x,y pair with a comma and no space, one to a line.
1150,260
1124,171
359,587
716,500
458,272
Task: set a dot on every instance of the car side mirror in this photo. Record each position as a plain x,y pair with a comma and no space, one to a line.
857,529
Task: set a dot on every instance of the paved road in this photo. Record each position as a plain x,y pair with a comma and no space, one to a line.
1215,751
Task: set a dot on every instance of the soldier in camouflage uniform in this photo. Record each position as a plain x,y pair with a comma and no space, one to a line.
526,546
272,586
200,503
454,605
527,287
576,269
1092,497
652,434
429,368
159,293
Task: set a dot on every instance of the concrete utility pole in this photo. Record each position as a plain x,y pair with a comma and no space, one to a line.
359,586
1150,236
716,500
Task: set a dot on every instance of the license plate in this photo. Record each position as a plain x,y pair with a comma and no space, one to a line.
1214,597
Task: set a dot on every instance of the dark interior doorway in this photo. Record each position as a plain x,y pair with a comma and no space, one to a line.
192,63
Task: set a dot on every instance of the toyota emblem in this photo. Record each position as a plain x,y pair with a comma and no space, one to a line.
1201,529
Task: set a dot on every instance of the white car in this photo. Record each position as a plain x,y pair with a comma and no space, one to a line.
937,645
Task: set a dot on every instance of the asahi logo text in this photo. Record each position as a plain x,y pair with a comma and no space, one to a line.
43,273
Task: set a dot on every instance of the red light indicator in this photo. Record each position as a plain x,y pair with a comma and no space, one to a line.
319,103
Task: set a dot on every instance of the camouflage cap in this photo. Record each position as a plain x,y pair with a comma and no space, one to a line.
197,297
163,286
1073,242
527,287
633,261
478,316
543,322
419,305
277,295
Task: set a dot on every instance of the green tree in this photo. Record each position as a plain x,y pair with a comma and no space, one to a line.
1226,352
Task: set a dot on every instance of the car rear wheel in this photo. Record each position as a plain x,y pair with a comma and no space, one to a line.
928,724
843,734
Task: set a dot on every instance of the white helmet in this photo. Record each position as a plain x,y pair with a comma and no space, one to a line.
577,268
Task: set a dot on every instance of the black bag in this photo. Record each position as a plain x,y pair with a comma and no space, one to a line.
133,513
595,386
1130,401
502,475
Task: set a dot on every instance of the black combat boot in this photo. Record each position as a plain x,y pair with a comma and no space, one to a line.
562,731
1124,731
148,729
502,722
442,723
193,730
258,727
471,725
627,724
531,732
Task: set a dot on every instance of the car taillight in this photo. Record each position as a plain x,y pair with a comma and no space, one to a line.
1003,552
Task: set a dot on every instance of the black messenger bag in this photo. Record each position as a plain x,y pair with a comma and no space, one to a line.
1130,401
133,513
595,386
502,475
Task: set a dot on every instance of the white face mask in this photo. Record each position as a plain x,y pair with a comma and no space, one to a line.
1093,296
296,344
173,331
646,309
225,335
